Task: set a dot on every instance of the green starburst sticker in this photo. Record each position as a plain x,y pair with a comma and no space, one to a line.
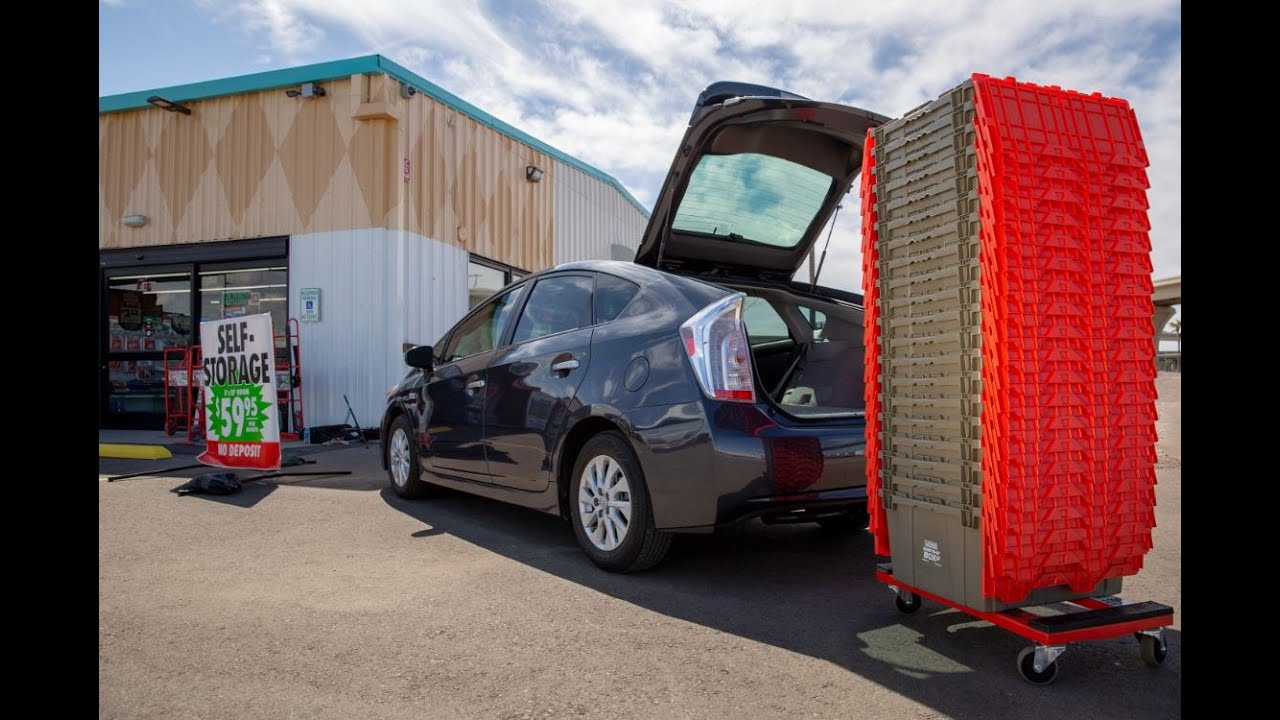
237,413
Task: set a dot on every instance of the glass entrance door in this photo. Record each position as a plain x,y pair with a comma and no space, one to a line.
246,288
147,311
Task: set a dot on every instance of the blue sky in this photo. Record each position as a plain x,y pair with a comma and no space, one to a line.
612,81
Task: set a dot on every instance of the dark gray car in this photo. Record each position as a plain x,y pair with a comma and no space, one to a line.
694,388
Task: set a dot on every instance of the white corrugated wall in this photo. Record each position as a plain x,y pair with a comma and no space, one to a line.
379,288
593,220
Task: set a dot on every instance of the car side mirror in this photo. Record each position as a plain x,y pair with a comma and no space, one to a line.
422,356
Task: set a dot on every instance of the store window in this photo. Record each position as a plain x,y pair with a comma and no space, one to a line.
485,277
229,291
147,313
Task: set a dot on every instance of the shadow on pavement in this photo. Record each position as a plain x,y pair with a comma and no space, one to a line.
813,592
250,494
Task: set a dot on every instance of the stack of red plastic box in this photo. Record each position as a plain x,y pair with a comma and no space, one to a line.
871,341
1067,411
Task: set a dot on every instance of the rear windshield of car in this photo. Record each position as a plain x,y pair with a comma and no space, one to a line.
754,197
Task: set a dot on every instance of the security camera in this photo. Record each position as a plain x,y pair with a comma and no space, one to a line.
307,90
407,91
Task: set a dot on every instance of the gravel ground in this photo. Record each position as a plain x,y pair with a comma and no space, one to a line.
331,598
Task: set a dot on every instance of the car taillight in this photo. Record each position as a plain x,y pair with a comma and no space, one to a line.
716,342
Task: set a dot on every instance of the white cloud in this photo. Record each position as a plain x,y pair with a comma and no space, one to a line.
613,81
281,21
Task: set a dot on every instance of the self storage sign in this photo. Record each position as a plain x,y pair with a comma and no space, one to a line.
239,393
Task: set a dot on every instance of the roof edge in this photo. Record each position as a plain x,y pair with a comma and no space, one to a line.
367,65
254,82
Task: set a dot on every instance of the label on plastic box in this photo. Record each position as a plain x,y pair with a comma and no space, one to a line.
931,553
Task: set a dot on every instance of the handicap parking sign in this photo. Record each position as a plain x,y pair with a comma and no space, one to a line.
310,300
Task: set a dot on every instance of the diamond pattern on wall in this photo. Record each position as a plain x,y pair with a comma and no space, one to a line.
462,192
280,114
217,114
310,154
370,155
271,209
122,156
420,171
244,153
344,203
261,164
182,155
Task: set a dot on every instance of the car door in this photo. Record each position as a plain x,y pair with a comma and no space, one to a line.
452,441
533,380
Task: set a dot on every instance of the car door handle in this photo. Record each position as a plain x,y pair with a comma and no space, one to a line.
475,384
565,365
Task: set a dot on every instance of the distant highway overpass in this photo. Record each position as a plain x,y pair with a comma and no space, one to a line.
1167,293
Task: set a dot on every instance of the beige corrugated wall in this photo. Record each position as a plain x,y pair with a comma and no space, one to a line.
467,186
264,164
593,220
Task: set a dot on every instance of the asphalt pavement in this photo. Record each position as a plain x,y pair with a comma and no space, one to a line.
329,597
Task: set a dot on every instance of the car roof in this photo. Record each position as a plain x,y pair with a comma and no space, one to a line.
640,274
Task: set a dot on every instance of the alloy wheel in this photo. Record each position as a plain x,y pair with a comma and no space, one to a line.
604,502
400,457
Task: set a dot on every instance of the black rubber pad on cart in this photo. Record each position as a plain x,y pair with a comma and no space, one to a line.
1096,618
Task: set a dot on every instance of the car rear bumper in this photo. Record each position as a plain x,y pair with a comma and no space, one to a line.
709,464
804,507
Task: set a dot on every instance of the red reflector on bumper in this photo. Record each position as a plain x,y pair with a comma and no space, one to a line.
794,463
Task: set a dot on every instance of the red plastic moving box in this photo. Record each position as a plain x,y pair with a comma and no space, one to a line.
1010,349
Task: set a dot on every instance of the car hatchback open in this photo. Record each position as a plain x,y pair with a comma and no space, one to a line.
694,388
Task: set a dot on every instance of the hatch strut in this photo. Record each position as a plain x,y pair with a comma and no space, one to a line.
823,259
662,246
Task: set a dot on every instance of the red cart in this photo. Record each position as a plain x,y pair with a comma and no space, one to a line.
1099,618
178,392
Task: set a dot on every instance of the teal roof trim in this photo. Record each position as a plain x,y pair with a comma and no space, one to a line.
242,84
368,65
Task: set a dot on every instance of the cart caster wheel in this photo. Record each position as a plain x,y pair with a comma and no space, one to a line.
1026,668
1154,649
908,604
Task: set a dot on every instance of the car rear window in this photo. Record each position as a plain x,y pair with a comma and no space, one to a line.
557,304
612,296
748,196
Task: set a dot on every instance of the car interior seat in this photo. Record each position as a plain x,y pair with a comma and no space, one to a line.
830,371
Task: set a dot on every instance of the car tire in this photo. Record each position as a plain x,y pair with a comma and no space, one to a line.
855,519
609,507
403,470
